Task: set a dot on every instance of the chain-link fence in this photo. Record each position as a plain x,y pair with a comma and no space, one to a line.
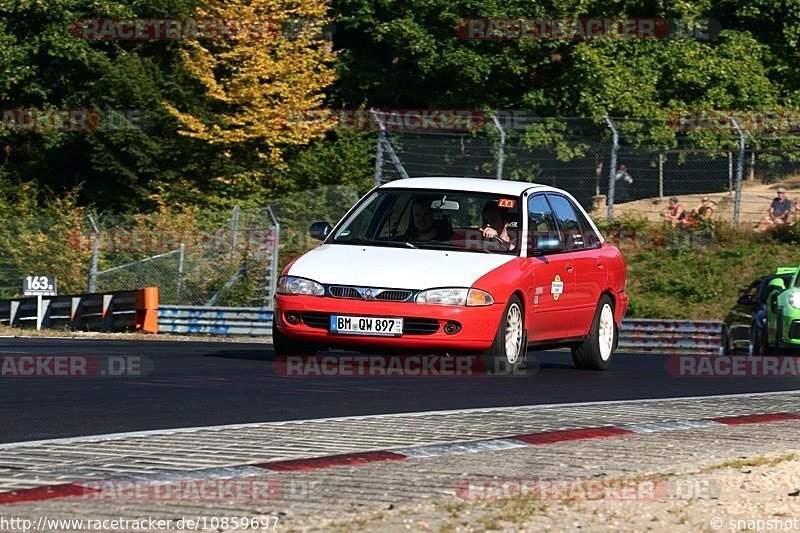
224,258
613,166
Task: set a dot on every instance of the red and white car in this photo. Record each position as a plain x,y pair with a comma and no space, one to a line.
385,280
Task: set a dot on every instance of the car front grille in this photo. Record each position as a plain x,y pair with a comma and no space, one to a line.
344,292
370,293
411,325
794,330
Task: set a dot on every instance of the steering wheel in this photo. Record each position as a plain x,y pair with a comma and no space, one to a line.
498,240
501,242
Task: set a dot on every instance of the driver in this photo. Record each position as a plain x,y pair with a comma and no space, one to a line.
425,226
495,224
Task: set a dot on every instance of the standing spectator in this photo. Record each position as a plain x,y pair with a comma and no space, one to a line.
779,211
622,183
675,212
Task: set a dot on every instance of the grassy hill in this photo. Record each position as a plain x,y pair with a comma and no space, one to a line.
695,273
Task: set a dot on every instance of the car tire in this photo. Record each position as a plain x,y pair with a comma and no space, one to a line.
508,349
285,346
779,349
595,353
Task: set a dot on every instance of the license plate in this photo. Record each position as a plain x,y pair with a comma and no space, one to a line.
366,325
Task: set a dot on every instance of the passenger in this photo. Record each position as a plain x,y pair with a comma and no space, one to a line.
425,226
779,211
675,212
495,224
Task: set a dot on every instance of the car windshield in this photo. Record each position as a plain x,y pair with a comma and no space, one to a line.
433,219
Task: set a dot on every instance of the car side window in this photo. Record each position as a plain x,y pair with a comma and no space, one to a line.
541,221
568,222
590,237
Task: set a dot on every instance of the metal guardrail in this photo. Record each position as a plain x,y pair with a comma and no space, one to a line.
637,334
670,336
188,319
108,312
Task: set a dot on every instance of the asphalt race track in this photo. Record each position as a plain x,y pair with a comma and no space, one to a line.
211,383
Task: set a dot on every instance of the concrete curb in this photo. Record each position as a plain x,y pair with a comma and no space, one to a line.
80,489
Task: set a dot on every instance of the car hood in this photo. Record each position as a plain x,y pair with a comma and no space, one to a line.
378,266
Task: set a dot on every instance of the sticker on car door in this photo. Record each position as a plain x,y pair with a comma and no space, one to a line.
556,287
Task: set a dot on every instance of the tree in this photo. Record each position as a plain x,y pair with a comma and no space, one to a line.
264,88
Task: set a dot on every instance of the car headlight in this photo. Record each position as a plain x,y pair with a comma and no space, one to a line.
794,299
455,296
295,285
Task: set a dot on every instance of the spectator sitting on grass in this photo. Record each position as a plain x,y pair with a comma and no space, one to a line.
675,212
779,211
703,213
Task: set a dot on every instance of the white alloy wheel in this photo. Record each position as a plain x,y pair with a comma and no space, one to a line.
606,332
513,333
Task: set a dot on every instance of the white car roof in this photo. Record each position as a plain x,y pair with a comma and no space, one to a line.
486,185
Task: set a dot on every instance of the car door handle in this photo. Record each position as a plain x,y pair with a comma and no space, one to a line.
600,263
569,267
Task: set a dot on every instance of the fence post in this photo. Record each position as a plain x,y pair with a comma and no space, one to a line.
501,149
613,166
180,270
384,141
379,160
660,175
730,171
95,256
737,202
598,171
275,257
234,231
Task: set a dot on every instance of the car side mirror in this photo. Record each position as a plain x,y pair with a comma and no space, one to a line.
320,230
545,244
777,284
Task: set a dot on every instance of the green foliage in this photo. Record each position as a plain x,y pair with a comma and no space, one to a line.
697,274
785,233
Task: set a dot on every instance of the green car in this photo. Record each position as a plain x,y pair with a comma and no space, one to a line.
782,314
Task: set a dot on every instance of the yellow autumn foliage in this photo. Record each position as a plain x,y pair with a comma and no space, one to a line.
268,86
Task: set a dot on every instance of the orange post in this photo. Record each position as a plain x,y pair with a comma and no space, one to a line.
147,310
